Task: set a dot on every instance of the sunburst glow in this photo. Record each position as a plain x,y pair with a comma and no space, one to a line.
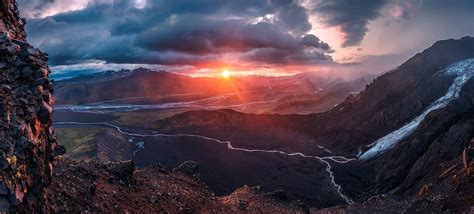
225,73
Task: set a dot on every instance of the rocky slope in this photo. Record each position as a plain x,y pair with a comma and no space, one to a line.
28,141
446,189
118,187
417,160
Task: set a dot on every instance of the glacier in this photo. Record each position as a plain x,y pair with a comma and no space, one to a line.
463,70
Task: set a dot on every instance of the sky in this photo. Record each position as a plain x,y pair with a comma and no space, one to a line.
247,37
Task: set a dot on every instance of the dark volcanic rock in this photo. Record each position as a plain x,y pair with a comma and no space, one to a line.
441,137
28,142
121,172
279,194
10,22
188,167
83,187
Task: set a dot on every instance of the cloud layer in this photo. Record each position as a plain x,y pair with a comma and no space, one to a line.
179,32
256,33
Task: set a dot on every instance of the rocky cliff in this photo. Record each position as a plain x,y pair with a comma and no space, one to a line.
11,23
27,139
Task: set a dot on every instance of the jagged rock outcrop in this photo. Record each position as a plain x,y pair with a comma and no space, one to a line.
10,22
27,141
189,167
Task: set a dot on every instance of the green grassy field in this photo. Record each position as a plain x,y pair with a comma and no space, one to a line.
78,142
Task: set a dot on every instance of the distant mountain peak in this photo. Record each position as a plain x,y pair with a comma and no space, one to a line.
141,69
443,52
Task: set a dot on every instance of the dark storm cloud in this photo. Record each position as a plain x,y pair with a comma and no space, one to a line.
281,56
352,17
313,41
180,32
201,36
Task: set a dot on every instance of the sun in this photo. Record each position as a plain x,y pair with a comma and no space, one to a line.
225,73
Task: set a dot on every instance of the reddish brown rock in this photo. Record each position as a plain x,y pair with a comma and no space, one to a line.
10,22
27,141
91,187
